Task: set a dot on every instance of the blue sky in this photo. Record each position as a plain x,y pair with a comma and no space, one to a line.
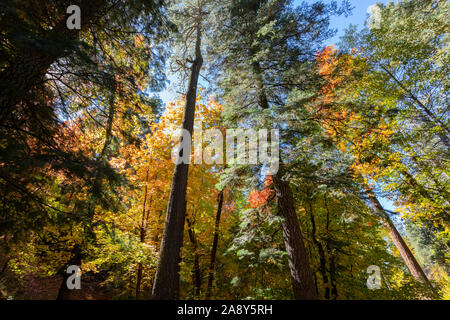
358,17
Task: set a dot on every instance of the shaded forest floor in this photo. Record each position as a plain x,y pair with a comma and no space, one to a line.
32,287
35,288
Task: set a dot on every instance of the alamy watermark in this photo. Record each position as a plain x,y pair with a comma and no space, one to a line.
239,147
74,20
374,280
74,280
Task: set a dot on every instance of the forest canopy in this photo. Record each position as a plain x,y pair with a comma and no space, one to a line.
282,167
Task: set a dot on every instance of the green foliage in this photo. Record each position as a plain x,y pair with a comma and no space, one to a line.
85,149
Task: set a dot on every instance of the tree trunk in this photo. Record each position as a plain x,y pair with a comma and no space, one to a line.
302,278
5,265
320,248
138,280
65,293
167,277
214,245
142,231
196,276
404,250
334,292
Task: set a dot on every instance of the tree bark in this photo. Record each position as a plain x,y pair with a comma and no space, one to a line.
138,279
196,276
5,265
167,277
320,248
302,278
214,245
332,258
401,245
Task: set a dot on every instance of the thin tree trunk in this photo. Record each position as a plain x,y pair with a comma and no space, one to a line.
196,276
167,276
315,283
28,71
322,260
214,245
138,280
5,265
142,231
404,250
334,291
109,123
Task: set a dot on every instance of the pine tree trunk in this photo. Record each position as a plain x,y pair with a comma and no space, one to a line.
302,278
214,245
402,247
167,277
